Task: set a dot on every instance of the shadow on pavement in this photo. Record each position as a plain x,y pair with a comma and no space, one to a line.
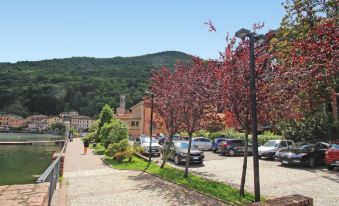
172,193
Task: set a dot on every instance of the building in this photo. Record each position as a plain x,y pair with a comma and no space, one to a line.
138,121
11,121
54,120
37,122
16,121
66,115
81,123
4,120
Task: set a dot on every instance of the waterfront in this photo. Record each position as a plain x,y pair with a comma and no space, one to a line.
22,164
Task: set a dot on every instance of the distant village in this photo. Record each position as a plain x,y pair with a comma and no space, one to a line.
40,123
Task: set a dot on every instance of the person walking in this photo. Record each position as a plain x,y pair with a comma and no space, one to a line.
86,144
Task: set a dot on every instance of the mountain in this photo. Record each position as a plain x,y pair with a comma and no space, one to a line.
83,84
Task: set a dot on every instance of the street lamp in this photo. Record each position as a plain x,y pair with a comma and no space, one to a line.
242,33
151,127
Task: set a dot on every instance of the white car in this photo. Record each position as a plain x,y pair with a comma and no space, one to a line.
202,143
269,149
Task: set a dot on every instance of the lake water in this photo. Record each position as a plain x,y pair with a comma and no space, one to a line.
22,164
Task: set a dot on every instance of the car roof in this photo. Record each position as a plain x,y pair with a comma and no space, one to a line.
335,141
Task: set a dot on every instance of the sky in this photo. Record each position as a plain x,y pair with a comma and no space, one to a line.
45,29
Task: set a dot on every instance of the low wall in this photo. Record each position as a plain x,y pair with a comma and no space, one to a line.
290,200
30,194
62,161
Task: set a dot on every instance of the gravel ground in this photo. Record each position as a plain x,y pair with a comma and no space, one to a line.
276,180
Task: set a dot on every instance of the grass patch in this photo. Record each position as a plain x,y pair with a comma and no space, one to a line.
213,188
99,149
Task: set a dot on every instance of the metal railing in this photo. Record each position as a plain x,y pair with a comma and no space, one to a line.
52,174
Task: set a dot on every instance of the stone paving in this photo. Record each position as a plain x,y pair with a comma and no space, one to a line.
24,195
276,180
90,182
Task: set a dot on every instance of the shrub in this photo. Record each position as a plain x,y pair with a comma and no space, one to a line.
113,132
120,151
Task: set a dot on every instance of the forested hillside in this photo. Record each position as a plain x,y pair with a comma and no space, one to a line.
79,83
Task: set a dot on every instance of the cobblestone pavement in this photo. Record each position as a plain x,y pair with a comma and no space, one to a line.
90,182
276,180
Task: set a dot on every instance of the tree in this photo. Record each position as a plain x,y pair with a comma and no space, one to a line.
113,132
235,90
197,99
106,116
164,87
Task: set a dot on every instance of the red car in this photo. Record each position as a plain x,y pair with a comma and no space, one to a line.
332,155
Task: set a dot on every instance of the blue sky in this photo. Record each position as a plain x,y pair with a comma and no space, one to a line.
36,30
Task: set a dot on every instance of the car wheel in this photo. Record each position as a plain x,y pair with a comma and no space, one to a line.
311,162
177,160
329,167
231,152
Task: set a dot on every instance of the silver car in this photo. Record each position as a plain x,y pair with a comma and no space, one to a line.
202,143
144,142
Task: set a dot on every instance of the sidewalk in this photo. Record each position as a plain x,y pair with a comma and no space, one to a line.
88,181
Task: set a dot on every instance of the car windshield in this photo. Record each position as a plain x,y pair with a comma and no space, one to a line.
334,146
271,144
146,140
301,146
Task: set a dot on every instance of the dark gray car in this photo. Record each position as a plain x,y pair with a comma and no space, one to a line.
232,147
178,153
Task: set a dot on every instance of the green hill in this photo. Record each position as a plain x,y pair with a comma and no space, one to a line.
78,83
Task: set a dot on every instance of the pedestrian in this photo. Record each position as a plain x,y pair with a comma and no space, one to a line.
70,136
86,144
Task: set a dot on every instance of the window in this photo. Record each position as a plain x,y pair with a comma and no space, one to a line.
136,123
133,123
283,144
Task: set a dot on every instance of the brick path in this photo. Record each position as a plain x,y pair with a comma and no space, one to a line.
90,182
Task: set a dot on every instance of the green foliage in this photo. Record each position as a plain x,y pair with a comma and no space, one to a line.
79,83
120,151
312,127
113,132
106,115
213,188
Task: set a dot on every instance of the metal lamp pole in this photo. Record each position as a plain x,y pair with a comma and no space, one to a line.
242,33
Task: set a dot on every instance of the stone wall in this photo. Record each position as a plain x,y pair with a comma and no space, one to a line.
290,200
25,195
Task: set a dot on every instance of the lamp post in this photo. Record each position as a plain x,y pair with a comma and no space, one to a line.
151,127
242,33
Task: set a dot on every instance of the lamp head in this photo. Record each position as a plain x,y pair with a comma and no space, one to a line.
242,33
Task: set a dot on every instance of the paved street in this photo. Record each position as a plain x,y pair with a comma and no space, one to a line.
276,180
90,182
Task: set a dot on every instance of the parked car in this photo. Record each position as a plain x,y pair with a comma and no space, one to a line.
144,142
269,149
332,155
178,152
303,154
202,143
216,142
232,147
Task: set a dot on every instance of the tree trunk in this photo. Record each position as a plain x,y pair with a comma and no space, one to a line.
165,154
244,167
188,156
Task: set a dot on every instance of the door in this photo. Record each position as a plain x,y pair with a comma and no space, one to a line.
198,143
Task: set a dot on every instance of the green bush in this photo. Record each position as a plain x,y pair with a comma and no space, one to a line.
113,132
120,151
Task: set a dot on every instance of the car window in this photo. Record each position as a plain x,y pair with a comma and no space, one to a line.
323,146
289,143
283,144
271,143
137,139
207,140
